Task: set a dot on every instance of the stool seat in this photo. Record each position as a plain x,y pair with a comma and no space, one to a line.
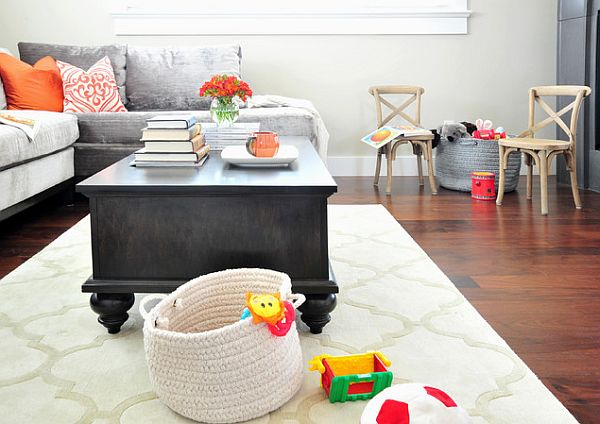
535,143
416,137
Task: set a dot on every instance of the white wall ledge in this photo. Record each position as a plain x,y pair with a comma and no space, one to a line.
301,22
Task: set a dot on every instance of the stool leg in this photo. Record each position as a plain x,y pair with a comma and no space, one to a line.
573,173
529,163
389,158
544,180
500,194
377,168
420,165
430,168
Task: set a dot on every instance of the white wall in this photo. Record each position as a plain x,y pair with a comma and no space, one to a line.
510,47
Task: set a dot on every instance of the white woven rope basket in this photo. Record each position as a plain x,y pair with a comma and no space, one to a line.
209,366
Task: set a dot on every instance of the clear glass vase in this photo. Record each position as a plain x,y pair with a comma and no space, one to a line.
224,111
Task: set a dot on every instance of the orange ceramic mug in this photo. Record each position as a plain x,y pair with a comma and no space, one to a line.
263,144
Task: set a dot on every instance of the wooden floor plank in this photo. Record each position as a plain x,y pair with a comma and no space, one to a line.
535,279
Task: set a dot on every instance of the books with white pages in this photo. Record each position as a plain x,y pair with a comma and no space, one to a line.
171,121
164,134
147,164
214,145
214,136
235,135
175,146
236,128
143,155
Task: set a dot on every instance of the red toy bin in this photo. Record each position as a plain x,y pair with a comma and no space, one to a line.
483,185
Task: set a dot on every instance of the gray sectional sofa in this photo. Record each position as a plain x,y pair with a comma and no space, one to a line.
150,80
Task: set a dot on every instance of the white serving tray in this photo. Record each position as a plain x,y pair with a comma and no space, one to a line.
238,155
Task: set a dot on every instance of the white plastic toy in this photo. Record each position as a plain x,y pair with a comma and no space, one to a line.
413,404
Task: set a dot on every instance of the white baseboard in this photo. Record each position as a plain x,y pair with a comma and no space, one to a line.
364,166
404,166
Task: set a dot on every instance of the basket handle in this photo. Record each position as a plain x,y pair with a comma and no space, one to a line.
143,311
297,299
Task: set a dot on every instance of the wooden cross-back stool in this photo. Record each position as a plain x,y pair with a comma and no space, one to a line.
422,145
543,151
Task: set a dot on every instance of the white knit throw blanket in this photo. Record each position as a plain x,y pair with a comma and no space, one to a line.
271,100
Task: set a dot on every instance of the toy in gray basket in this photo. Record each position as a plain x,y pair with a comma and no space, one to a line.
452,131
458,154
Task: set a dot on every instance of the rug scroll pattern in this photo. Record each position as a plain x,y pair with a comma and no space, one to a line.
57,365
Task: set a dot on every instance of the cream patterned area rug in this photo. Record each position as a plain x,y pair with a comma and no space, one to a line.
58,365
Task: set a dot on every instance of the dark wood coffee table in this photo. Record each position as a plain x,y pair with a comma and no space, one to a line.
153,229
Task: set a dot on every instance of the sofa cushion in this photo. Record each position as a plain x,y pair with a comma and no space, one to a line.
126,128
169,78
2,95
80,56
57,131
21,182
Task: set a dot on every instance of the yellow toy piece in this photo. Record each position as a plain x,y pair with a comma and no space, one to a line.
267,308
316,363
352,377
361,363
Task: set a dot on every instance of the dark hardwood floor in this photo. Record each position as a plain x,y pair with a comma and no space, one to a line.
26,233
535,279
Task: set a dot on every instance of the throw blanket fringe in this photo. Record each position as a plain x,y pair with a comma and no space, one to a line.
271,100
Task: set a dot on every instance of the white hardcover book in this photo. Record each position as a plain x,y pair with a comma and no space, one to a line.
171,121
144,156
174,146
172,134
146,164
238,127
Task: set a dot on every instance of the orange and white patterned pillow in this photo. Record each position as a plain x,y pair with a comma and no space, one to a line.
91,91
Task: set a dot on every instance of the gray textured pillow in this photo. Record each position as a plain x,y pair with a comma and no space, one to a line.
81,56
2,96
168,78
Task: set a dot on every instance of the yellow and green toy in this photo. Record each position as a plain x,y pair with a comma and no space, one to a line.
352,377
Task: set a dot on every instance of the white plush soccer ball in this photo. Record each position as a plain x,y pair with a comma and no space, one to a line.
413,404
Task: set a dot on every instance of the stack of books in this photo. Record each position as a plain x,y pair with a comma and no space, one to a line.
172,140
236,135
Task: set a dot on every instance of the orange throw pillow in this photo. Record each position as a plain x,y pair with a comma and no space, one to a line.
37,87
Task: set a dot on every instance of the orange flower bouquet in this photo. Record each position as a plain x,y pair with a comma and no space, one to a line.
225,89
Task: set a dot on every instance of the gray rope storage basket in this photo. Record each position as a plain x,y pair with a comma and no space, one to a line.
207,364
455,161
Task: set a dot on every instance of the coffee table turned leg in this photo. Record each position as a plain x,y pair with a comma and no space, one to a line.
112,309
316,309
